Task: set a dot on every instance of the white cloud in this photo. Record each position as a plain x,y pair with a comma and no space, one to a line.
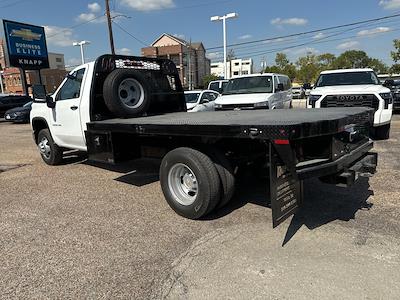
348,45
390,4
94,7
59,36
213,55
319,35
89,17
124,51
147,5
179,36
373,31
93,15
245,37
290,21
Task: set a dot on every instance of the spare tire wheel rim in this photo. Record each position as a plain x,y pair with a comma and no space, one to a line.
131,93
182,183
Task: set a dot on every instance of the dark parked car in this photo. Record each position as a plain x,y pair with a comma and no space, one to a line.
394,86
11,101
19,114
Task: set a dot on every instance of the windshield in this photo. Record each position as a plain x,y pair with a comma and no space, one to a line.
192,97
28,104
350,78
246,85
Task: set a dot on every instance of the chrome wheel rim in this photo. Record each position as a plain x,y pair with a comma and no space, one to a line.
44,147
131,93
183,184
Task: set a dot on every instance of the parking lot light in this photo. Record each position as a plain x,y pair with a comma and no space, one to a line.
223,19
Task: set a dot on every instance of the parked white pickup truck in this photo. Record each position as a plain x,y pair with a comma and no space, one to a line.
121,108
354,88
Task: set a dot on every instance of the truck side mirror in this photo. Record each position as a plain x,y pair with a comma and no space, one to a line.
39,91
50,102
280,87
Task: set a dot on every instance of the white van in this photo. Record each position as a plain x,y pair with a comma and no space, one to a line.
257,91
218,85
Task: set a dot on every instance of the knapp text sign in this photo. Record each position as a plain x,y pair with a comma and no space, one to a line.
26,45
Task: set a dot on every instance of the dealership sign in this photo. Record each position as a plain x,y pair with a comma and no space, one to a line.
26,45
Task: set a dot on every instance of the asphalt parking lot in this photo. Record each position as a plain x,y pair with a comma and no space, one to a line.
78,231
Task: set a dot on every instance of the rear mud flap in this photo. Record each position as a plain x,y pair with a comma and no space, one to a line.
286,190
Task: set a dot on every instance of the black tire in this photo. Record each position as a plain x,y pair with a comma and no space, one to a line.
55,156
206,175
382,132
126,93
226,176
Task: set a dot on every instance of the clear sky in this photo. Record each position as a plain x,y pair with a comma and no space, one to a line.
67,21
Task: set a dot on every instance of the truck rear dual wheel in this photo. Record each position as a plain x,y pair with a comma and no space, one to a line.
226,176
126,93
50,152
190,182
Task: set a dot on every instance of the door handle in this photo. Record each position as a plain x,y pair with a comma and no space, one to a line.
74,107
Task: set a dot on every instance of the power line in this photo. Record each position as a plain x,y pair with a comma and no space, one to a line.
310,32
312,38
74,26
131,35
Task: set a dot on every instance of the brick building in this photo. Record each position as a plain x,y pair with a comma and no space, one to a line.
189,58
51,78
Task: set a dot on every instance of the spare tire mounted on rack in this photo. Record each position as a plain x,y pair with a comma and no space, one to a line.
126,93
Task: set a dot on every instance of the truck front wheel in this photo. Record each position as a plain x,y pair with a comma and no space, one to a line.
49,151
190,182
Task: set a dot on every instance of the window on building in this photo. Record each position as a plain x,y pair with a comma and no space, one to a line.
236,64
236,73
72,86
245,72
58,59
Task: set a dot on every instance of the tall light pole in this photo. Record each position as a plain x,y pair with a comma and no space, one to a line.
223,19
81,44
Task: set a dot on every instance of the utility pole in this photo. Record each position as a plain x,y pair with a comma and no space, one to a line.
190,64
110,33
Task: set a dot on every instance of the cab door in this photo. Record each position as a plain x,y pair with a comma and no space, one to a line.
66,118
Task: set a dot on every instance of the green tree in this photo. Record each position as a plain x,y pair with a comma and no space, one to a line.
326,61
272,69
378,66
281,60
396,54
282,65
208,78
352,59
308,68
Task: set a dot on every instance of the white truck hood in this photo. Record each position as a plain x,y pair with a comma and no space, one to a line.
243,98
350,89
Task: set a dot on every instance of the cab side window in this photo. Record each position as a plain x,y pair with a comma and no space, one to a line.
286,82
72,86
